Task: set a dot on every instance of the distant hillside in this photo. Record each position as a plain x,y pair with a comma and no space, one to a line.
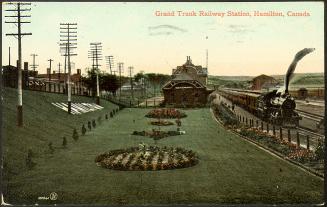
230,81
299,79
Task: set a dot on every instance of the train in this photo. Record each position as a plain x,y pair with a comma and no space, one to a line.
273,107
277,106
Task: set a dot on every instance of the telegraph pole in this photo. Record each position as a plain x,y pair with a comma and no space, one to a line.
207,62
50,60
19,21
34,66
59,72
96,55
131,80
68,43
65,70
110,63
9,55
120,70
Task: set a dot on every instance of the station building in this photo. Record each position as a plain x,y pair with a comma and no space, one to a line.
187,87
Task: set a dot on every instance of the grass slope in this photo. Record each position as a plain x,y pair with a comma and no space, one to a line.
230,170
43,123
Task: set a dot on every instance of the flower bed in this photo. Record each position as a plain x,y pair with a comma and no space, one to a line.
165,113
161,123
284,147
147,158
157,134
225,115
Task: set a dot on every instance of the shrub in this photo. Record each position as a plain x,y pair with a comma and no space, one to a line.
51,149
29,163
83,130
178,122
89,125
64,142
93,123
30,153
75,135
320,150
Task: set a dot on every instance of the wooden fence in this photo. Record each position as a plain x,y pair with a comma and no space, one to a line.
292,134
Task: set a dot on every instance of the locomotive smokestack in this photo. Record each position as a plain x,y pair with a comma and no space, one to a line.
291,68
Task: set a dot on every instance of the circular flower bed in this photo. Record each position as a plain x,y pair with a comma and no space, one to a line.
166,113
161,123
157,134
147,158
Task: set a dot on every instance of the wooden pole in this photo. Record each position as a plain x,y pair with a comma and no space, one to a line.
289,135
281,133
308,142
274,130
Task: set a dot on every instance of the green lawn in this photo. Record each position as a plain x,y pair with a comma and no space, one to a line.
230,169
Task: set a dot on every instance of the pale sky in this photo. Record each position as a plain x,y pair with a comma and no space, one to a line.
133,34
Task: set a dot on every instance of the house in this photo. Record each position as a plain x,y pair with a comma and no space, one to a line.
10,75
264,82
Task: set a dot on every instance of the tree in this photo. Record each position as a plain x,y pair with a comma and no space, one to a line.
157,80
138,76
109,83
90,80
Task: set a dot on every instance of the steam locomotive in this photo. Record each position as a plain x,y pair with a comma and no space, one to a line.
277,109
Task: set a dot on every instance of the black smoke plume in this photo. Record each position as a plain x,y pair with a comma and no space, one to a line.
292,67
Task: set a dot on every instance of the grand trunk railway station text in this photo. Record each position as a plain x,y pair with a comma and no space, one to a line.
233,13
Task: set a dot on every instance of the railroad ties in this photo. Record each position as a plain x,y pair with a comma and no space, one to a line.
78,108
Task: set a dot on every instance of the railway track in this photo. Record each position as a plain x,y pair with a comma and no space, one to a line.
309,115
305,131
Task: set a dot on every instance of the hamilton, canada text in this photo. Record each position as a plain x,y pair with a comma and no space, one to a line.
202,13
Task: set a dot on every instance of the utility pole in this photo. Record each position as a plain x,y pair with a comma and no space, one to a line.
131,80
207,62
9,56
59,72
65,70
120,71
68,43
19,21
50,60
96,55
34,66
110,63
